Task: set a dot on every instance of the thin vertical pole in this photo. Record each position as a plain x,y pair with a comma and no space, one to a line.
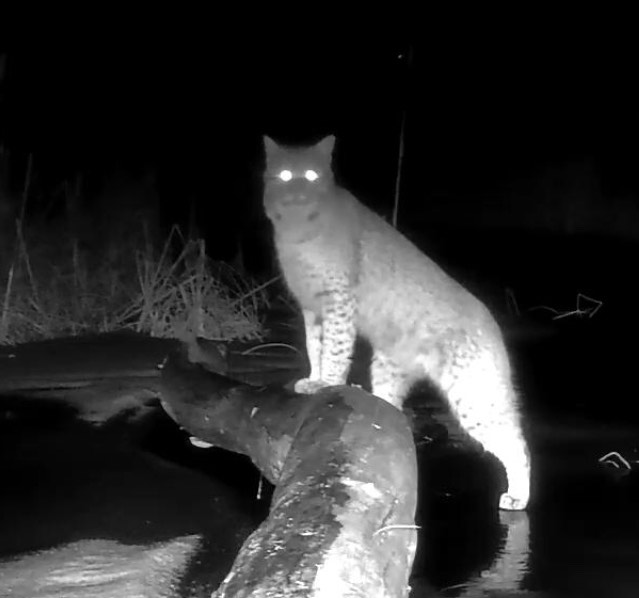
402,131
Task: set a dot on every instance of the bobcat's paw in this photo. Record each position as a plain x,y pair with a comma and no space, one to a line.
307,386
508,502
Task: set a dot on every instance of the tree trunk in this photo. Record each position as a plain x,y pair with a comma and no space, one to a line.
343,462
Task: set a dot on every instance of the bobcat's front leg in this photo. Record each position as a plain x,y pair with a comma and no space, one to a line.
313,330
337,341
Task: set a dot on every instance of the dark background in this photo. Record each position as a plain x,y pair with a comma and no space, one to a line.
520,122
520,175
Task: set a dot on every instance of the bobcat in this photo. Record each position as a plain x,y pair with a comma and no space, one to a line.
352,273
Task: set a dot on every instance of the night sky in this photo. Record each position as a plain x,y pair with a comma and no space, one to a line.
490,108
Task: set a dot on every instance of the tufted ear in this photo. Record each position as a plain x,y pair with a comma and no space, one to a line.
325,146
269,145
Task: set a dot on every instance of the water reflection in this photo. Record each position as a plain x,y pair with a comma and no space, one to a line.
511,563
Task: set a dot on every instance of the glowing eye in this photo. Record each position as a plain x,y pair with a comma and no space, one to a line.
285,175
311,175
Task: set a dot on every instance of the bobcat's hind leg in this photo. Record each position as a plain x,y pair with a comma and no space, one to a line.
484,400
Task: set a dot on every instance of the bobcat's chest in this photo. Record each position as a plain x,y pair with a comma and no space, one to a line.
305,272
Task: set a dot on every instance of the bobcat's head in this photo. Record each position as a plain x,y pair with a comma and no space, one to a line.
296,180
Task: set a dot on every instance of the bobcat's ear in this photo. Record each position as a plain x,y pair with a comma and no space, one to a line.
326,145
269,145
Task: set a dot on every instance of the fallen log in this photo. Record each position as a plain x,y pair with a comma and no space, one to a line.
100,376
343,462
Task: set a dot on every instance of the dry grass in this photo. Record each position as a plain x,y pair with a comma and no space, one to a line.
52,286
192,296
